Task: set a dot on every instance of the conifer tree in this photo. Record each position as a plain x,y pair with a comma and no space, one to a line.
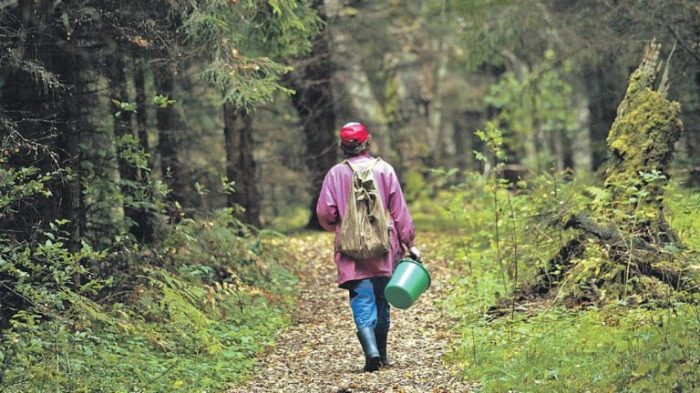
244,45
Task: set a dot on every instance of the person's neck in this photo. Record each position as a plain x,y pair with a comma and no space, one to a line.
363,154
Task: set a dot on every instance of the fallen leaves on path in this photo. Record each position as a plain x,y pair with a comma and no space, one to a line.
320,352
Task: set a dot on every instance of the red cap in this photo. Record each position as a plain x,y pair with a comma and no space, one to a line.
353,132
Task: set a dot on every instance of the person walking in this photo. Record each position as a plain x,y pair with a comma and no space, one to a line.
365,279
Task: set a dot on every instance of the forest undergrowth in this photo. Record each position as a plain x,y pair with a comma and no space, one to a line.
190,315
600,327
197,311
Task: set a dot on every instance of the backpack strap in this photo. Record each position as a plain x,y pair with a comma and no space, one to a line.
352,168
374,163
371,166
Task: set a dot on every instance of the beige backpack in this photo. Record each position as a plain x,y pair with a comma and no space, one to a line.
364,232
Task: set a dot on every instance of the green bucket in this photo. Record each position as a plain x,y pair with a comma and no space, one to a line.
409,281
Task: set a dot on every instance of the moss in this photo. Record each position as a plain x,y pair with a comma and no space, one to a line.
393,101
642,141
643,138
646,128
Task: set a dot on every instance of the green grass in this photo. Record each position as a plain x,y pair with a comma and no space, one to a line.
595,350
682,211
549,348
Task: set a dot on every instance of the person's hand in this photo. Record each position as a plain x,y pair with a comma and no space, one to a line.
415,253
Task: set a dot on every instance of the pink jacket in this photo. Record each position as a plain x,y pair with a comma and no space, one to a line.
332,203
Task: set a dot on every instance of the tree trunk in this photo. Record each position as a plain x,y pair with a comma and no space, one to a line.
314,102
558,149
122,118
363,104
72,204
354,96
602,87
71,120
643,142
122,128
141,108
140,224
169,130
580,143
144,219
435,115
240,163
464,140
692,139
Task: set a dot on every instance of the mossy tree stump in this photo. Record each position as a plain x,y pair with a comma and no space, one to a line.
629,227
641,142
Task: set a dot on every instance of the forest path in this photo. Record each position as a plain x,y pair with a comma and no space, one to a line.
320,352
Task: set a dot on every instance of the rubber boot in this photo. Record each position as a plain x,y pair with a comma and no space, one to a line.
369,346
381,346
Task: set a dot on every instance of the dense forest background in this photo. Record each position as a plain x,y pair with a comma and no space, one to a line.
153,151
199,96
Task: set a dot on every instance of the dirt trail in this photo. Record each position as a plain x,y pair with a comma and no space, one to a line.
320,352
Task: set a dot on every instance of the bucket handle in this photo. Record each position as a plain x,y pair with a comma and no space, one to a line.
416,260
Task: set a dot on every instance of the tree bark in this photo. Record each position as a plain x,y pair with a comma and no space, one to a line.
70,111
140,224
354,94
602,98
122,128
169,129
141,108
558,149
692,140
144,230
580,146
314,102
72,204
435,115
464,140
122,120
240,163
643,136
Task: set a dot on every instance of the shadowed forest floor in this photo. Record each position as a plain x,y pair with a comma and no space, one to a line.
320,352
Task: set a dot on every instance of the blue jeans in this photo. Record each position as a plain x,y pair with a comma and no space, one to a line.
369,307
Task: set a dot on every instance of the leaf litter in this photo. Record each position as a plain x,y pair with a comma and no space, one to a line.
320,352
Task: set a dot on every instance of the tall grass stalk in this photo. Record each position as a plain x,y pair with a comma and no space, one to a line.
514,237
463,243
498,236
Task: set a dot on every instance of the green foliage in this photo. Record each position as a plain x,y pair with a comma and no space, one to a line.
199,311
609,349
630,213
20,184
48,274
244,43
17,184
106,196
292,218
85,305
415,186
483,26
541,346
493,139
533,102
681,207
123,107
161,101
